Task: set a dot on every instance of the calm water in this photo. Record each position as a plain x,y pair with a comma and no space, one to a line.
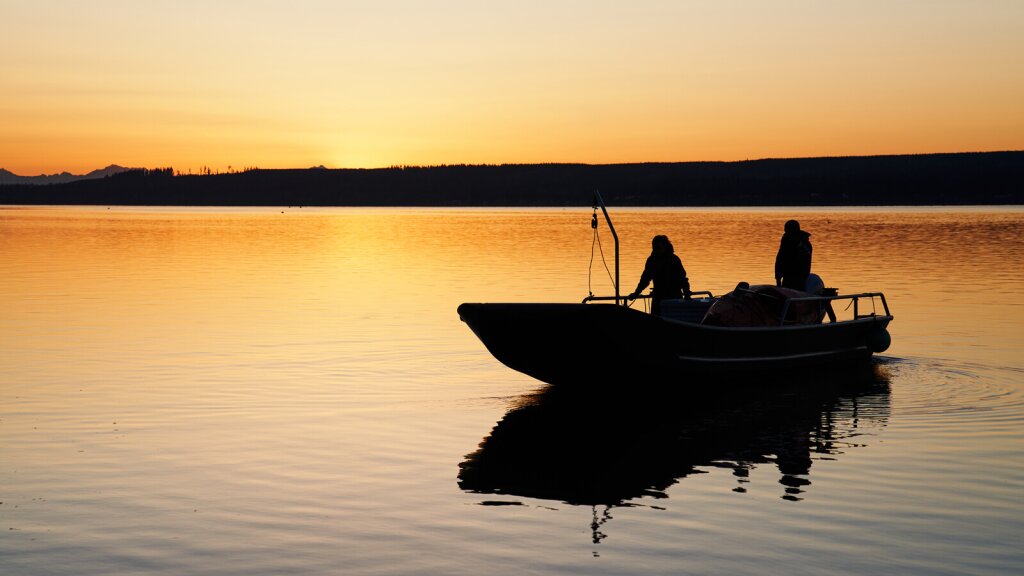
291,392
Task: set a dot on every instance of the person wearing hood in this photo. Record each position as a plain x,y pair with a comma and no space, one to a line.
793,262
665,269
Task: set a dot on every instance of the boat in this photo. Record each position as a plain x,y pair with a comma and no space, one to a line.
602,338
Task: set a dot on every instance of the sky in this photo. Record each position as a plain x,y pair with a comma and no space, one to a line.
299,83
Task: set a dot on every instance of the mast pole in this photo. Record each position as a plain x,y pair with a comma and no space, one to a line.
604,209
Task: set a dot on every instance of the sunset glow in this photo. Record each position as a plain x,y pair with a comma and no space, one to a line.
360,84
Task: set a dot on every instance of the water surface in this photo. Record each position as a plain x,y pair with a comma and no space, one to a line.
268,391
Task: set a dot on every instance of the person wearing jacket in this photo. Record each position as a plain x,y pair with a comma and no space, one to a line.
793,262
666,270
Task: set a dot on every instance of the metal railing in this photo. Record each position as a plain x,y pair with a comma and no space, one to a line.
855,298
593,298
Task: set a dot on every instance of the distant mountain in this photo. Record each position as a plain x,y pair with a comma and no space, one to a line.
8,177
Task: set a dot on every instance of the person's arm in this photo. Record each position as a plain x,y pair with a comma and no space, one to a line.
779,259
645,279
685,283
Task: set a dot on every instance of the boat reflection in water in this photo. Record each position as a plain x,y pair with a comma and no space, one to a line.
606,448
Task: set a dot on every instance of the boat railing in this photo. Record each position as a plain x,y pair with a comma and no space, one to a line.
853,298
592,298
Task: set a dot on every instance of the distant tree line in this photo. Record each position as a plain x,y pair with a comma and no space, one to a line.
137,173
931,179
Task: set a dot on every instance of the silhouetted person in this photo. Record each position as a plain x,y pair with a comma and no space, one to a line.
793,262
665,269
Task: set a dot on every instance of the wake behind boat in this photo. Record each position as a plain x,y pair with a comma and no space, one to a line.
753,328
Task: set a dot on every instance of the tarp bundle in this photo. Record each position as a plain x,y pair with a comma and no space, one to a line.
761,305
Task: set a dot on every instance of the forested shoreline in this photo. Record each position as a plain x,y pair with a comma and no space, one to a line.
929,179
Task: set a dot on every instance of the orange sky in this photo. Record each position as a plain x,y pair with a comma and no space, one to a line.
364,84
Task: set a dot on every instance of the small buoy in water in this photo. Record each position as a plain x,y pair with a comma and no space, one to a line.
879,340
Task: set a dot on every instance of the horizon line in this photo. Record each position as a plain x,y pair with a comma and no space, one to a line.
231,170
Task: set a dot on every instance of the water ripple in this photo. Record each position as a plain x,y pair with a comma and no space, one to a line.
931,387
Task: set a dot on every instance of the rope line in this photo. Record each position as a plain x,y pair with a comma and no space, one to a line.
590,267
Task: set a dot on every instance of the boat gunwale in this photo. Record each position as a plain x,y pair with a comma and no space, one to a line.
870,319
786,327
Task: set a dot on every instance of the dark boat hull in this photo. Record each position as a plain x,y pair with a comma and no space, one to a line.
575,343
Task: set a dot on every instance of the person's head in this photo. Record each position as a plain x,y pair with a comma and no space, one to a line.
792,226
660,245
